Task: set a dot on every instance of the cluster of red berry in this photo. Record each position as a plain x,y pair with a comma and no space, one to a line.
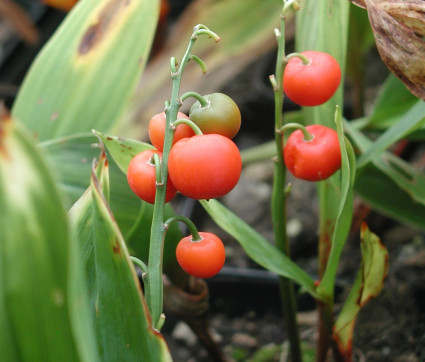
203,166
200,166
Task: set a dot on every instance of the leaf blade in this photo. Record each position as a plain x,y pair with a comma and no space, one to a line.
77,81
36,248
122,322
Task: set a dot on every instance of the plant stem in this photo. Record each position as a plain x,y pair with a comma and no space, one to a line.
197,96
279,202
188,122
304,59
153,280
189,223
307,135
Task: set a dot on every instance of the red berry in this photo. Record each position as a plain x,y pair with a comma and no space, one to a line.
204,166
316,159
156,130
141,177
314,83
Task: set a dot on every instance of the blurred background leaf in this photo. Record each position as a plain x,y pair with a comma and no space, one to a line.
390,184
410,121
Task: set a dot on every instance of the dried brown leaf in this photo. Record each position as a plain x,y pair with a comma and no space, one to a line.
399,30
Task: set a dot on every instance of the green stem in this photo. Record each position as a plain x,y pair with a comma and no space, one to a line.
153,280
197,96
190,225
307,135
140,264
279,200
305,60
157,163
200,63
190,123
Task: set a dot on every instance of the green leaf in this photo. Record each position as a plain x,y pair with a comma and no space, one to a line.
121,149
344,214
258,249
409,122
368,285
72,158
84,76
122,323
385,196
43,311
410,181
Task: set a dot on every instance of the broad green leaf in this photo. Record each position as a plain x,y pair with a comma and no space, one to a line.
368,285
242,42
122,322
84,76
43,311
410,180
413,119
344,214
72,158
258,249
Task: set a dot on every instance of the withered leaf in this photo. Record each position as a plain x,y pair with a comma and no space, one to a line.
399,30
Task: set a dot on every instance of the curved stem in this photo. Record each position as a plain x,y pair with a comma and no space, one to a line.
157,164
200,62
203,30
190,123
305,60
190,225
307,135
204,103
140,264
173,65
